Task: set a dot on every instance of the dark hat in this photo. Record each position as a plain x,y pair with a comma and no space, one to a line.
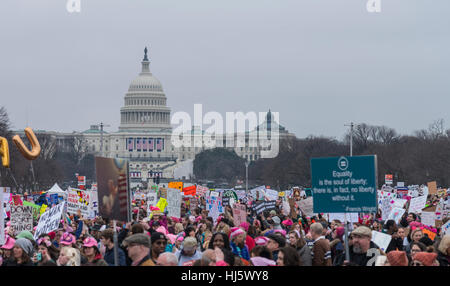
278,238
156,236
138,238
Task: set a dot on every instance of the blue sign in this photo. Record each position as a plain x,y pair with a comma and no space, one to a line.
344,184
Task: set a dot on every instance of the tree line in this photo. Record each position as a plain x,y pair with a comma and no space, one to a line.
54,165
414,159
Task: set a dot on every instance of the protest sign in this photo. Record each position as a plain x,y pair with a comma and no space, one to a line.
398,203
226,201
396,214
351,217
239,214
306,206
446,228
344,184
2,220
174,202
17,200
269,205
417,204
430,234
271,195
381,239
43,209
114,201
152,199
93,204
258,207
21,218
201,190
49,221
193,204
78,200
385,208
286,208
432,188
428,218
162,204
176,185
163,193
190,191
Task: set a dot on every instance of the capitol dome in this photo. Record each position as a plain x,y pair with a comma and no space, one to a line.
145,82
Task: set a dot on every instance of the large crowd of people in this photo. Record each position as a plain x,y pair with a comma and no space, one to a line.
270,238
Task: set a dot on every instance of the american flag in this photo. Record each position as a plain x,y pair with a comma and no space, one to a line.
150,144
130,144
122,182
144,144
159,144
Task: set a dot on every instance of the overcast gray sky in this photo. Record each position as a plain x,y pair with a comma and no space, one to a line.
319,63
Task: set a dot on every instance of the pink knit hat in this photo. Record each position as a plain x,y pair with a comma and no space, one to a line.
9,243
237,232
67,239
90,242
287,222
162,230
245,225
261,240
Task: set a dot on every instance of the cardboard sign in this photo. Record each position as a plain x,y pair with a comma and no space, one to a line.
176,185
432,188
239,214
174,202
417,204
21,218
381,239
49,221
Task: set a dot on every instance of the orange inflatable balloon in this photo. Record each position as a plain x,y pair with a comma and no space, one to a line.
35,146
4,152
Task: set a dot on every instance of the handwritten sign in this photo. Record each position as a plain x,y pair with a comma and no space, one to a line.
21,218
239,214
306,205
396,214
432,188
271,195
381,239
428,218
174,202
49,221
417,204
78,200
446,228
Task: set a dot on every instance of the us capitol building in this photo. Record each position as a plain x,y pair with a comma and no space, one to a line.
144,135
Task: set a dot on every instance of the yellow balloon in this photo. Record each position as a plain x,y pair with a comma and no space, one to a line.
4,152
35,146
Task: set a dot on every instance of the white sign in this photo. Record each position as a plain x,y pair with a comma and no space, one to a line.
446,228
417,204
49,220
381,239
2,221
78,200
385,208
21,218
428,218
396,214
400,203
306,206
271,195
400,184
174,203
152,200
93,204
351,217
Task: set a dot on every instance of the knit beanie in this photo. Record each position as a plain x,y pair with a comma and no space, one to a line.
427,258
397,258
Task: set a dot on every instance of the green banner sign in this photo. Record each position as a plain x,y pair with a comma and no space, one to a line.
344,184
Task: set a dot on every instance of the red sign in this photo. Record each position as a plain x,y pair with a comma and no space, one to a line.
388,179
191,190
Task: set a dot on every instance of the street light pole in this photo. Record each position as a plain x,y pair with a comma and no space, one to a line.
246,176
347,250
